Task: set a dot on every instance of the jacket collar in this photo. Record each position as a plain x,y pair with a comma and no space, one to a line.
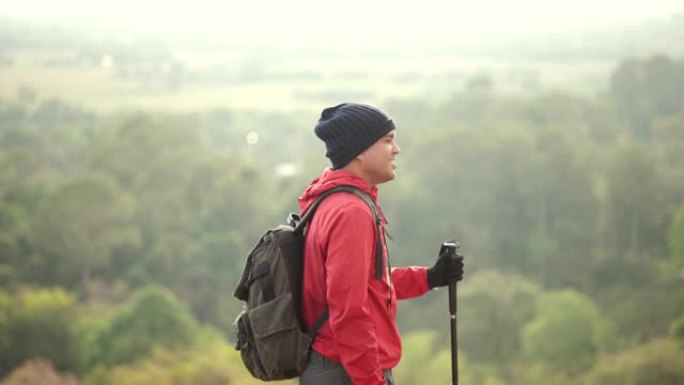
330,179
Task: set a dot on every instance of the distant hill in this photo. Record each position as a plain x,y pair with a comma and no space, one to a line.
117,70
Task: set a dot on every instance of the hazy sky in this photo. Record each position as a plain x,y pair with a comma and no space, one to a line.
340,22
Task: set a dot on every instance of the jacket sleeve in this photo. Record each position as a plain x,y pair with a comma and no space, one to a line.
410,282
348,268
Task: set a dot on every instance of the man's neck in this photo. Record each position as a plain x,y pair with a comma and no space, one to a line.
353,168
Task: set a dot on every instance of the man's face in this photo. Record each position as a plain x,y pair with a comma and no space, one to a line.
378,161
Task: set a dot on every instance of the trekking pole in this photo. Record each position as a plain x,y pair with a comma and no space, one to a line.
454,336
451,247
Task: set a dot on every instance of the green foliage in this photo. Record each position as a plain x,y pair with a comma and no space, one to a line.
38,323
516,182
133,144
5,307
643,308
635,208
546,191
647,89
13,233
424,362
87,332
153,318
567,333
38,372
675,237
658,362
215,363
677,330
498,306
81,226
417,360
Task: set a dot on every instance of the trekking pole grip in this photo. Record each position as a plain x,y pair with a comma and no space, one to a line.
450,248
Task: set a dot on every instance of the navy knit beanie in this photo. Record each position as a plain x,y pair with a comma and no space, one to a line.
349,128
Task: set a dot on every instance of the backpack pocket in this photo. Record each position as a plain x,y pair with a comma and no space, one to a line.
271,344
244,342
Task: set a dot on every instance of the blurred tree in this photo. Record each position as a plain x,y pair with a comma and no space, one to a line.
418,353
668,144
56,114
14,231
567,333
658,362
636,209
210,363
677,330
605,126
43,144
92,323
143,373
38,323
499,305
79,228
476,202
643,302
675,237
24,177
424,362
5,308
191,195
559,196
668,138
38,372
12,114
153,318
647,89
552,188
128,145
198,217
519,186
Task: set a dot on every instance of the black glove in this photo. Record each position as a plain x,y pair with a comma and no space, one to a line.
447,269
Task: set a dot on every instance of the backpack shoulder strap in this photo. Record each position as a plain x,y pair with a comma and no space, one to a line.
378,237
299,229
319,323
306,217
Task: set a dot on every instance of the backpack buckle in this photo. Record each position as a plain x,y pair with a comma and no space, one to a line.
293,219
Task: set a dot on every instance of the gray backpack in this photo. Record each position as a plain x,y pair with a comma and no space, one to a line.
270,332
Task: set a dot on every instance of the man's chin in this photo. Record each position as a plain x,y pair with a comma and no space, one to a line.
388,177
391,175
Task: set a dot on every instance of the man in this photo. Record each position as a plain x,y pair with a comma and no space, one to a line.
359,343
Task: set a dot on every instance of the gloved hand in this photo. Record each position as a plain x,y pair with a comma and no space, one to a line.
447,269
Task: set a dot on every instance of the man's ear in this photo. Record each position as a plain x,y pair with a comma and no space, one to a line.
362,156
355,163
359,158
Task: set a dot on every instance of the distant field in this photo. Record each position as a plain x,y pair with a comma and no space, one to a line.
210,81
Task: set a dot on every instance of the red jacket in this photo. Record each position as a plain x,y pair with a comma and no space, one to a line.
339,273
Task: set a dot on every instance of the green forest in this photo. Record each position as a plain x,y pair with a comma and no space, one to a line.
123,233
